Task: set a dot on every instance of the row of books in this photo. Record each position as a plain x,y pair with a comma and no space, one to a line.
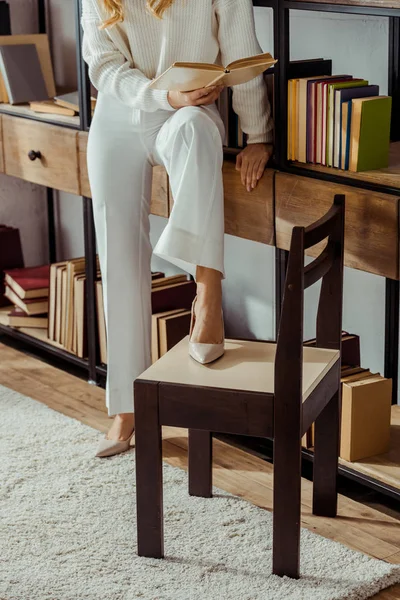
338,121
52,298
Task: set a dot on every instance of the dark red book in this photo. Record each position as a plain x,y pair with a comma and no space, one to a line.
350,348
29,282
178,295
10,255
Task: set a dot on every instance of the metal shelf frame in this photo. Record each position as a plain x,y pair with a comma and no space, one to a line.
97,372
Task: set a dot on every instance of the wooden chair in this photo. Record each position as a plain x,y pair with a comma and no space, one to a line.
257,388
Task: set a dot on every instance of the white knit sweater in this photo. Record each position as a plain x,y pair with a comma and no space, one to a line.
215,31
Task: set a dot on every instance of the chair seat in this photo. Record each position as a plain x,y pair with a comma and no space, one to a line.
246,365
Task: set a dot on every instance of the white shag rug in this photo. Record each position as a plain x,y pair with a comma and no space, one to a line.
68,529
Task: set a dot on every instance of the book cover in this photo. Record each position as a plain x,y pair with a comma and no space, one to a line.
41,41
22,73
16,317
11,256
172,296
32,306
155,338
347,124
29,282
51,330
172,329
5,21
370,136
341,96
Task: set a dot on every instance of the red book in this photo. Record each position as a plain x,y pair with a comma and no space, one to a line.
10,255
29,282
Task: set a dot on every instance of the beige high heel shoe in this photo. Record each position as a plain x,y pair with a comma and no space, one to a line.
108,447
205,353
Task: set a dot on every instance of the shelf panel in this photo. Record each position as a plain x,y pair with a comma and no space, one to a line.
26,112
38,338
389,177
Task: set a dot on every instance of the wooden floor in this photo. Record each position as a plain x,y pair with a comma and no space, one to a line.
357,526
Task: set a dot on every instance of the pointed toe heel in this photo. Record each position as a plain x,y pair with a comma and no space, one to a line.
205,353
108,447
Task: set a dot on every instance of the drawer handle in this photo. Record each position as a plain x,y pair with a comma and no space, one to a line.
34,154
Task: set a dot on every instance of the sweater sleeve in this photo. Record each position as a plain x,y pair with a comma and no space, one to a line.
237,39
109,70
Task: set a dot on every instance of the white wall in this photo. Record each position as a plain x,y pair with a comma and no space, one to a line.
357,45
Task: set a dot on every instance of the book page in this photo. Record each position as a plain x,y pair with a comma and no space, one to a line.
186,79
265,58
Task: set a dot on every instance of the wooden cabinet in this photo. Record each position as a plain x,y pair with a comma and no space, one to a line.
41,153
371,228
159,197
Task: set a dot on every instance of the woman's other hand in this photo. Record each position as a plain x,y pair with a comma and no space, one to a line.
198,97
251,162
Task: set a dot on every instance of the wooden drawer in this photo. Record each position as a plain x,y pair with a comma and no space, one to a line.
248,215
372,221
1,146
159,197
58,165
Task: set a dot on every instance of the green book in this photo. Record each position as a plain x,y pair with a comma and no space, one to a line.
370,133
330,119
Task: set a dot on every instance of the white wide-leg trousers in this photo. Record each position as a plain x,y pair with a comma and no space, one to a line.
124,144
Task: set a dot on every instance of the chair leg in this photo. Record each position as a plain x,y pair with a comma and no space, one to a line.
326,450
149,486
200,463
287,506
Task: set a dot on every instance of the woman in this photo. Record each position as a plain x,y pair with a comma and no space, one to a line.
126,44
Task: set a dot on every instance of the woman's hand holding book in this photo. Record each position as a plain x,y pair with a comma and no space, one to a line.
199,97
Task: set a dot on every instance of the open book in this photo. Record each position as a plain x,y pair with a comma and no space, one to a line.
188,76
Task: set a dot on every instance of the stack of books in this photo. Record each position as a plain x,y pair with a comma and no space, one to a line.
171,300
28,290
64,104
338,121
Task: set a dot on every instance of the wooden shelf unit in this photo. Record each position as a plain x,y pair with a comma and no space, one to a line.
252,216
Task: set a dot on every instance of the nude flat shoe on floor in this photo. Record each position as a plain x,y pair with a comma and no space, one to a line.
205,353
108,447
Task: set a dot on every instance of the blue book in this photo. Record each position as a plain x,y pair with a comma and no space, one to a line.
347,127
341,96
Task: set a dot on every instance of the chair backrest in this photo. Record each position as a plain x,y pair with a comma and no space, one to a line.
328,266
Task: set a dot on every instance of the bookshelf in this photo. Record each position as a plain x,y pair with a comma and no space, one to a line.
386,181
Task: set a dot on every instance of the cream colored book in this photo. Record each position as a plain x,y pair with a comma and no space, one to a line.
187,76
